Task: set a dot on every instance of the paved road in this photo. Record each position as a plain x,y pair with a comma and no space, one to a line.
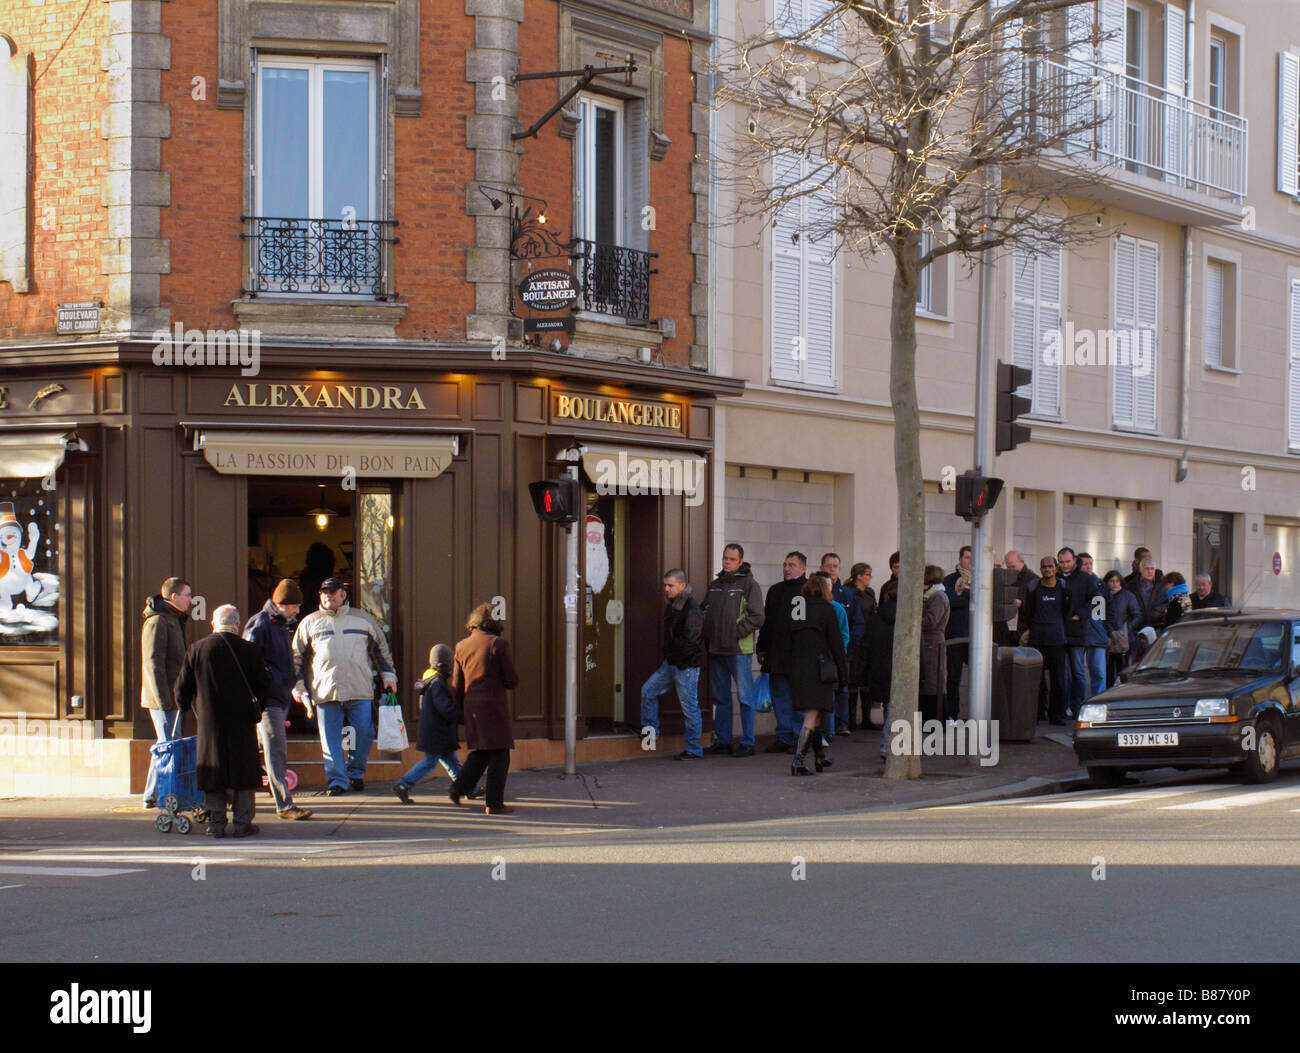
1194,869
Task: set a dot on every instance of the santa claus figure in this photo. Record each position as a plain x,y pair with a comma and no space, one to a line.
597,556
16,578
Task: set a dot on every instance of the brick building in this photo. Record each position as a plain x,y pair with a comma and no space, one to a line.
261,296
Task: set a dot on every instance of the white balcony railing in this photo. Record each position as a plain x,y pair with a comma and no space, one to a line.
1141,126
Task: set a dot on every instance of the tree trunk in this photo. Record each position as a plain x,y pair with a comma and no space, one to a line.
905,681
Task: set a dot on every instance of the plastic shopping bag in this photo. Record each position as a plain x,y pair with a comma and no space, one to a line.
392,730
762,694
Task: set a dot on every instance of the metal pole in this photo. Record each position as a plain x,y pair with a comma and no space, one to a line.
986,373
571,647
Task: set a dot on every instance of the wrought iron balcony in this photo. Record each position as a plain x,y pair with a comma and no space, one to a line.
1142,127
614,280
334,257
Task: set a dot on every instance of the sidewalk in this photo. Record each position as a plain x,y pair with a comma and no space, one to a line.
642,793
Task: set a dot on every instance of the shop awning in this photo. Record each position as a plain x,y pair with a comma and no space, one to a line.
34,454
640,470
371,455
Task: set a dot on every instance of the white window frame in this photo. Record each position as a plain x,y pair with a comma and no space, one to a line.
1135,326
1218,49
585,213
1229,324
925,278
316,69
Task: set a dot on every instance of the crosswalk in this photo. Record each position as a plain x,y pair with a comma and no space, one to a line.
1191,797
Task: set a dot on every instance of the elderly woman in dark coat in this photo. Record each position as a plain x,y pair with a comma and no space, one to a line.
225,681
934,666
481,675
816,650
1122,613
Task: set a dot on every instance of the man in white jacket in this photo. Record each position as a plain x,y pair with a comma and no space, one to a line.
339,648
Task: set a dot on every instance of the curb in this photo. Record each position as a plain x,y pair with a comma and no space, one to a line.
1034,786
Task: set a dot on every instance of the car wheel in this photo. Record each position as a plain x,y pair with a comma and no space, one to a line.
1261,762
1106,778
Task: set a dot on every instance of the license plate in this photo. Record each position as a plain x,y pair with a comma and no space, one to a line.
1149,738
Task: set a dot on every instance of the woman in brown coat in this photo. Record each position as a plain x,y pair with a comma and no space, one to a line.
482,673
934,619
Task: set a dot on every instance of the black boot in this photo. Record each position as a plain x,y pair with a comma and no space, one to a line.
821,759
797,766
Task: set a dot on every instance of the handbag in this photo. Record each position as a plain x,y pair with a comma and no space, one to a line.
392,729
1117,642
827,671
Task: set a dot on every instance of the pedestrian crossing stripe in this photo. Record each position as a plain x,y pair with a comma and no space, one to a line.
1090,800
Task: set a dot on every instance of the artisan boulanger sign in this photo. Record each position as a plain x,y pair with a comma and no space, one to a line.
551,289
325,396
638,413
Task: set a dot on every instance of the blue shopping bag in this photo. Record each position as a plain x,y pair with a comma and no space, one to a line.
762,694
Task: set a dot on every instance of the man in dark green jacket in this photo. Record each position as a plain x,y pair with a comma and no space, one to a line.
733,614
162,648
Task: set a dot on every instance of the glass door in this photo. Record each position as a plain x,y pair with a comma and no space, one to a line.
1212,555
602,614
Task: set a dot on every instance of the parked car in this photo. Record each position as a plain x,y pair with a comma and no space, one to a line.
1220,689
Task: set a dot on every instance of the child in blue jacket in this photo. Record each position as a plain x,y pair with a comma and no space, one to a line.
439,715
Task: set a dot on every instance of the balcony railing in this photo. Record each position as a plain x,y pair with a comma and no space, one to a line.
613,280
1143,127
335,257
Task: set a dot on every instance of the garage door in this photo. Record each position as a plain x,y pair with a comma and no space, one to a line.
1107,527
1263,587
774,511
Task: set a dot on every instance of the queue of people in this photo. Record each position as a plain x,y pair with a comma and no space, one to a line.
240,686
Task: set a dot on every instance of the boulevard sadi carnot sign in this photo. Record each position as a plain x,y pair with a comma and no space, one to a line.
550,289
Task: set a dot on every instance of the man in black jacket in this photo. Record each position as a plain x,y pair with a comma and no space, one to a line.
683,657
1152,595
1204,595
957,586
272,630
773,647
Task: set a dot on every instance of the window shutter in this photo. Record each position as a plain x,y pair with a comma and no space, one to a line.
1293,400
1024,322
636,191
819,286
1148,306
1213,313
787,16
1047,378
1288,122
1125,321
1176,130
1078,46
1111,56
787,277
817,9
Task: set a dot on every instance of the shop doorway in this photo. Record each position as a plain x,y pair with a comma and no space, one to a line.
1212,550
313,529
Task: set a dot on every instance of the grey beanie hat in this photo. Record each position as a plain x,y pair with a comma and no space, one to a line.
440,656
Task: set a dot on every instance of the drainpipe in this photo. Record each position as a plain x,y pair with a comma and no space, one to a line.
1185,374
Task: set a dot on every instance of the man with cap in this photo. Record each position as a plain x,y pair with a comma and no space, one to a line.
339,648
272,630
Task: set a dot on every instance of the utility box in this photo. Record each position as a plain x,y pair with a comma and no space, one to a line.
1017,672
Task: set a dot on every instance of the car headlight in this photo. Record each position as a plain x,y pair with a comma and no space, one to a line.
1092,713
1212,707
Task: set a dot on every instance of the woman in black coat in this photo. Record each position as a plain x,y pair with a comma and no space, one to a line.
1122,612
815,641
880,648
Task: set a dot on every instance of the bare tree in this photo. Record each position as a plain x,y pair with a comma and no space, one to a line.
926,128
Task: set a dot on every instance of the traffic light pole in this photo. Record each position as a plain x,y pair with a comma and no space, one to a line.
981,601
571,644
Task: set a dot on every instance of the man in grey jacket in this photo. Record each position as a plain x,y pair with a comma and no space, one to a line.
733,614
339,647
162,646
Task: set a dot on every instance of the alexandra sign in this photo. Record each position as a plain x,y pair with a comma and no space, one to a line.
618,411
325,396
551,289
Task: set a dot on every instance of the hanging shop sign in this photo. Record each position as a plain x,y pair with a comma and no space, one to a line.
550,289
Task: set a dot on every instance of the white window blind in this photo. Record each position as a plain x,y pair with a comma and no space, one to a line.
1214,289
1036,326
803,280
1133,345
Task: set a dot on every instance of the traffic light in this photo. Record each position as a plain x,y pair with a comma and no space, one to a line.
976,495
1010,406
555,500
1005,593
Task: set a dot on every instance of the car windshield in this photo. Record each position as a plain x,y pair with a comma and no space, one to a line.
1203,648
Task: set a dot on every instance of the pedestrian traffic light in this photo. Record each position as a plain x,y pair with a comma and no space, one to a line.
1010,434
555,500
1006,590
976,495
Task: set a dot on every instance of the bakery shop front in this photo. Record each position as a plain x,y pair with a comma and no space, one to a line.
408,482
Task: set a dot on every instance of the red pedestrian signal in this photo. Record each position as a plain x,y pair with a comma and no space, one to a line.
555,500
976,495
